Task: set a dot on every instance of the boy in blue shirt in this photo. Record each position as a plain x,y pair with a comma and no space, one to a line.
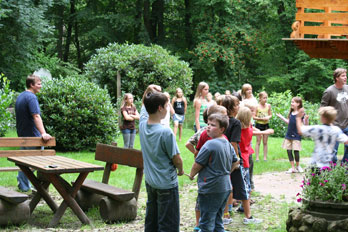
162,165
214,165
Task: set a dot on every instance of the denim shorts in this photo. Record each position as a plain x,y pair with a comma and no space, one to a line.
240,183
179,118
128,131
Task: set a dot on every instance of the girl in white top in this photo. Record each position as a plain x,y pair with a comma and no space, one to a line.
200,104
170,111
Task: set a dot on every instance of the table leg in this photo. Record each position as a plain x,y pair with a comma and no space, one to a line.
40,189
37,197
69,198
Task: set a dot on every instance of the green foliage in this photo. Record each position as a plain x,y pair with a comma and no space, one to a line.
78,113
329,185
23,32
280,103
6,96
56,67
138,66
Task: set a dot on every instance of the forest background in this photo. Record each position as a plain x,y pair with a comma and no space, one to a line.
226,42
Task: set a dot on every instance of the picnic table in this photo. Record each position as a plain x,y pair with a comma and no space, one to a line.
50,169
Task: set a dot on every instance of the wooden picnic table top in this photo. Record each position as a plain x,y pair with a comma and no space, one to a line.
55,164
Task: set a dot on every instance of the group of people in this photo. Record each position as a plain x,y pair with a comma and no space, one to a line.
221,145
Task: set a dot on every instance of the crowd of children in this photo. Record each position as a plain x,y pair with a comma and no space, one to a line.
222,148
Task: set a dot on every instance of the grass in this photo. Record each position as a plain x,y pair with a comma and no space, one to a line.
123,177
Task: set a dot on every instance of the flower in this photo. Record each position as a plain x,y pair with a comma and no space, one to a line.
328,185
298,194
299,199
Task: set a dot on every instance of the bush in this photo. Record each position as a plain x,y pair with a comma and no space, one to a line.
280,103
138,66
78,113
6,96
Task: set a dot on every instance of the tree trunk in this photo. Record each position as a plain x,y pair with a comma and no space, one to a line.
60,28
188,34
137,26
147,21
77,45
156,21
70,25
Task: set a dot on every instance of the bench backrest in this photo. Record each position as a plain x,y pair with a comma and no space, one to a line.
124,156
25,142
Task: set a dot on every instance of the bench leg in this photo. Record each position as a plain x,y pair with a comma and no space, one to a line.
69,198
40,189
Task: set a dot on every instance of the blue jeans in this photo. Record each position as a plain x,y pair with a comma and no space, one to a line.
128,137
162,210
212,207
345,156
23,182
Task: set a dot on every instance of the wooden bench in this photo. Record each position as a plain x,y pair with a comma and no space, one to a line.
115,204
14,207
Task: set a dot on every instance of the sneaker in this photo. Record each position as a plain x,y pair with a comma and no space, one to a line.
240,210
227,221
299,169
290,171
251,220
196,229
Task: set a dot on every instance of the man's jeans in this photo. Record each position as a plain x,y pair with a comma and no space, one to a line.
345,156
23,182
162,210
212,207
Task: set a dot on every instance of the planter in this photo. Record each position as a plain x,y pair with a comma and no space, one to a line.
331,211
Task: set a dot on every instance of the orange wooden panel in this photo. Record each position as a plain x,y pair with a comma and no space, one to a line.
27,142
321,17
9,153
341,5
320,30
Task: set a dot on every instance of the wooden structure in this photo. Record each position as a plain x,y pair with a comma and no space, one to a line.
321,28
50,169
14,206
115,204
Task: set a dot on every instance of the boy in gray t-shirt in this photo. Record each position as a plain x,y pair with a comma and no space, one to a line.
214,165
325,136
162,164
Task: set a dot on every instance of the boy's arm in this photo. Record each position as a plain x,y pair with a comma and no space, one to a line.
190,147
178,164
144,116
235,165
196,167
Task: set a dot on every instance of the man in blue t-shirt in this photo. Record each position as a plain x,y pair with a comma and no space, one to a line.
28,120
162,164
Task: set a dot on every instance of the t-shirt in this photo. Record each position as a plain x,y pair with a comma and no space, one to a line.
179,107
325,138
233,132
292,133
262,113
128,124
203,139
216,157
158,146
337,98
27,105
245,145
166,120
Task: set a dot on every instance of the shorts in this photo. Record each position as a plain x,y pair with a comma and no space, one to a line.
240,183
179,118
262,127
291,144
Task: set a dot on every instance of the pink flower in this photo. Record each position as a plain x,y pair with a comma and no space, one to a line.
299,199
321,184
313,174
344,187
325,168
308,183
298,194
325,181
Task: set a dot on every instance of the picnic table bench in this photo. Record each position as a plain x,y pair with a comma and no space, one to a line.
115,204
14,206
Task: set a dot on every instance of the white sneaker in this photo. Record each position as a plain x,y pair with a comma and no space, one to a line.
251,220
227,221
290,171
299,169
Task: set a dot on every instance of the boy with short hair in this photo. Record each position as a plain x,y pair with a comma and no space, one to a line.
325,136
161,162
214,165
